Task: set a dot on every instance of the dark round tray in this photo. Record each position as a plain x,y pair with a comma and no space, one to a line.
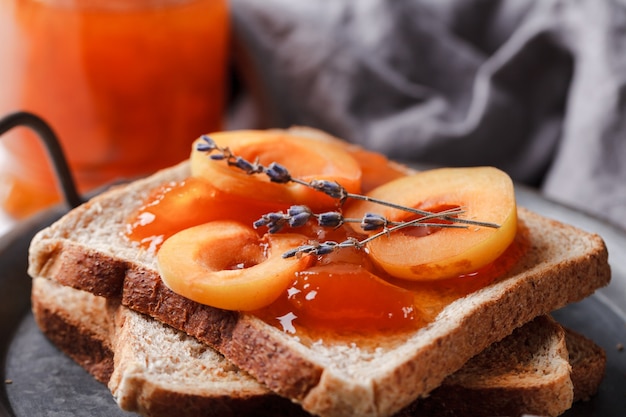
44,382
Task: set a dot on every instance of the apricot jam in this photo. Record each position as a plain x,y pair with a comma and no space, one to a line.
343,297
348,299
343,293
176,206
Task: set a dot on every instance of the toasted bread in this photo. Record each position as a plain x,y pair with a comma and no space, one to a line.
77,323
158,368
588,362
150,368
368,376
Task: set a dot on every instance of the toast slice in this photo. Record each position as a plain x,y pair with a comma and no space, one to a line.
158,368
150,368
588,362
367,376
77,323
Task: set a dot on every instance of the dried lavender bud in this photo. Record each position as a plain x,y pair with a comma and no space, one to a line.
263,221
326,248
316,249
276,216
203,147
323,248
275,227
299,219
278,173
298,215
372,221
246,166
274,221
307,248
298,209
330,188
330,219
259,223
208,145
217,156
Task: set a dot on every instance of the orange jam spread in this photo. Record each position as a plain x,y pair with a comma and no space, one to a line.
176,206
343,298
339,278
347,298
342,292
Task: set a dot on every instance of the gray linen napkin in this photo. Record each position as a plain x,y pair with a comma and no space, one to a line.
537,88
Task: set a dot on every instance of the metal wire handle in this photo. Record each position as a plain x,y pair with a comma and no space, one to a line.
52,145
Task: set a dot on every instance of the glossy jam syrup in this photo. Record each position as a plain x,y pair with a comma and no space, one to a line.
343,297
342,292
180,205
355,298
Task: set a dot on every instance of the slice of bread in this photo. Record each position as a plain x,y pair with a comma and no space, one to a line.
77,323
588,362
367,376
159,371
149,367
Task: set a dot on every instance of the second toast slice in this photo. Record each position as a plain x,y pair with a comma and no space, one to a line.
157,369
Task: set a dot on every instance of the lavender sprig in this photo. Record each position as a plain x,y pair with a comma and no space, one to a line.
276,172
369,222
297,216
279,174
323,248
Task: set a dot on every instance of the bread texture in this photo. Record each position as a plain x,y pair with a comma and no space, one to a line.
363,375
77,323
524,374
159,371
588,362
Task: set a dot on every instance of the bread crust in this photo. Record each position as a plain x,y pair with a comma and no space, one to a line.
588,364
561,265
88,345
460,393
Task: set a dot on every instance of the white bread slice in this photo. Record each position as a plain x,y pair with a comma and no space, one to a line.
158,368
378,376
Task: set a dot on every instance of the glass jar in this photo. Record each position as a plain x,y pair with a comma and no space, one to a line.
127,85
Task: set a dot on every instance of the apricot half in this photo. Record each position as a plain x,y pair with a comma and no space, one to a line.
226,265
304,158
376,169
417,253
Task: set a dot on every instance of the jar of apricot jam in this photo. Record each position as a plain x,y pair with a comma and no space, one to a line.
127,85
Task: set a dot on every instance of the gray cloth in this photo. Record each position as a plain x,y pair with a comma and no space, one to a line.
535,88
